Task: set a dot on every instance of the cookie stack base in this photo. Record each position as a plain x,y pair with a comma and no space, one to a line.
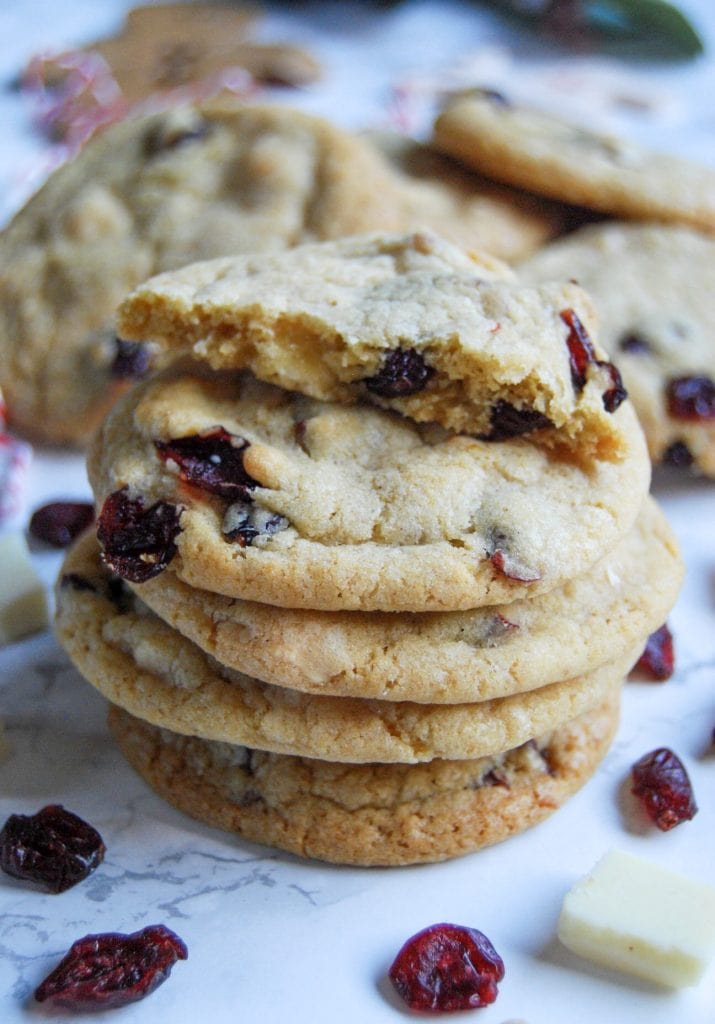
369,814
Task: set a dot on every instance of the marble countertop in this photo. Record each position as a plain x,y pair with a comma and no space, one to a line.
271,937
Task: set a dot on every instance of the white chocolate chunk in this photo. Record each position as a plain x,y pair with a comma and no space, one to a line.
23,601
639,918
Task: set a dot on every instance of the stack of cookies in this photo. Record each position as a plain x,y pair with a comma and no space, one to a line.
374,553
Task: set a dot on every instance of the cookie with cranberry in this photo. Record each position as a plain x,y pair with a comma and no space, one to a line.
247,490
152,671
537,151
656,309
465,208
433,657
408,322
149,194
369,814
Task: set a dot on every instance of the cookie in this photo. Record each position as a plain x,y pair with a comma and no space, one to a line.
368,814
150,194
144,666
466,209
652,286
251,491
450,657
534,150
408,322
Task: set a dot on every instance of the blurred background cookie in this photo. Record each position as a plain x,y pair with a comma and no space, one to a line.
653,287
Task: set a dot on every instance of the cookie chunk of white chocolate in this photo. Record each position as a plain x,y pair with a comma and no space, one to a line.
638,917
23,601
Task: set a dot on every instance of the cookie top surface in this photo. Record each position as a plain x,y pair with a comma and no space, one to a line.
452,657
151,670
539,152
278,498
652,285
465,208
368,814
149,194
408,322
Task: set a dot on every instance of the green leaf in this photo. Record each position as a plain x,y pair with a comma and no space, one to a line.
646,29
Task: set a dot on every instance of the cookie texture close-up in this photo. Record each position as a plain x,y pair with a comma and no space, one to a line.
369,814
542,153
656,307
405,321
449,657
144,666
254,492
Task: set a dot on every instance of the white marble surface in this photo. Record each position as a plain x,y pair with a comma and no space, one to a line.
272,938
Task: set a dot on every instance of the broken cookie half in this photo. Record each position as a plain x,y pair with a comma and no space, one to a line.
408,322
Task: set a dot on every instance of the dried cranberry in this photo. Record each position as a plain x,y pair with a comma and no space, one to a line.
679,455
60,522
691,398
508,421
493,95
243,522
162,139
102,972
212,460
580,346
138,542
403,373
132,360
53,847
511,568
634,344
658,659
661,782
77,582
447,967
582,354
613,396
496,777
505,562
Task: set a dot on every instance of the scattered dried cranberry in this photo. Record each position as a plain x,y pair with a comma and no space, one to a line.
582,354
132,360
658,659
243,522
508,421
102,972
212,460
679,455
661,782
447,967
691,398
60,522
403,373
53,847
138,542
634,344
